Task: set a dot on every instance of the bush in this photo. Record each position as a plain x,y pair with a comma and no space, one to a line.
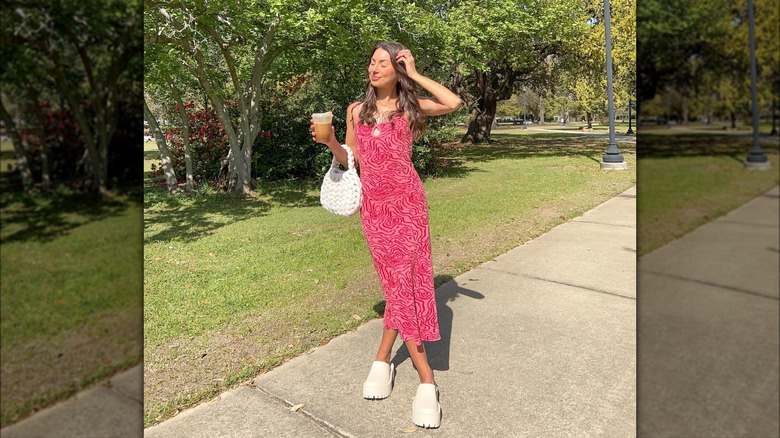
286,151
65,147
209,145
441,130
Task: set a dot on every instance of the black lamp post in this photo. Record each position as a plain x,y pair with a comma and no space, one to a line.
630,131
774,118
613,158
756,158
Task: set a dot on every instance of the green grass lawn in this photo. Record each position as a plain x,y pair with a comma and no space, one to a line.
71,295
236,285
687,180
716,127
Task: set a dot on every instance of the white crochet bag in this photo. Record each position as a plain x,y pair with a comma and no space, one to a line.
341,190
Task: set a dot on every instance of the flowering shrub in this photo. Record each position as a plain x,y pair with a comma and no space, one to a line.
209,144
64,145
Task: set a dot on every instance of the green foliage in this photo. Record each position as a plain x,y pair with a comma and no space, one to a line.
208,145
78,55
697,51
427,150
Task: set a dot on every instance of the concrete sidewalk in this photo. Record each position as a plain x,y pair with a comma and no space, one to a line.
111,409
709,328
537,342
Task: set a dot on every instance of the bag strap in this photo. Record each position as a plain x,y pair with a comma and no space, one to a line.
350,158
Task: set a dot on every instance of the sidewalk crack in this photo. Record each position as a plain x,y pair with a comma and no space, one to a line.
711,284
330,428
578,286
126,395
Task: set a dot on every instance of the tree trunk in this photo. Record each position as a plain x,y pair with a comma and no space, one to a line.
479,127
190,185
589,118
733,118
482,121
21,156
685,112
241,181
40,130
541,108
159,138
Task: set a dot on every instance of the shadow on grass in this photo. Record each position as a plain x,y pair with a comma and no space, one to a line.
187,218
42,218
292,193
152,155
190,217
518,147
8,155
697,145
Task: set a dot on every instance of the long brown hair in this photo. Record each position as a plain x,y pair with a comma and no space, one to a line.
407,95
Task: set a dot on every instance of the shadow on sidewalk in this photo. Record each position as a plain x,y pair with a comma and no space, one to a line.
439,351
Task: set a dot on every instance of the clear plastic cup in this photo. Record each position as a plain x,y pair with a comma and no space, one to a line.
322,124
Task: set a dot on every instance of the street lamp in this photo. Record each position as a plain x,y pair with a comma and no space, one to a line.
630,131
756,158
612,159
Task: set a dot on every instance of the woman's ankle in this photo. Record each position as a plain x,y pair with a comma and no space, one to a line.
427,378
383,358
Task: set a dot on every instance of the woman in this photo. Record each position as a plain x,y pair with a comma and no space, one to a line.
394,213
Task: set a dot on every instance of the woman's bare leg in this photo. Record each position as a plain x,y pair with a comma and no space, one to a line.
386,346
420,359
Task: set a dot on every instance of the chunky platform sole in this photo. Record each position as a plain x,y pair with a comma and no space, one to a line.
426,410
379,383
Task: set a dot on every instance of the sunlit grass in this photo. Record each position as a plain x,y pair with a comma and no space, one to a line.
71,295
688,180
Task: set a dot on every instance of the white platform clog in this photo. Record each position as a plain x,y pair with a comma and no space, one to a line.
426,410
379,382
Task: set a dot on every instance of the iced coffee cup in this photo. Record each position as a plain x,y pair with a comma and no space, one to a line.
322,124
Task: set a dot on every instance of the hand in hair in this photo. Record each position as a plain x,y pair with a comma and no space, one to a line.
405,57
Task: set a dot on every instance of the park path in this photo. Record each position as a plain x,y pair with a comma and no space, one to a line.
622,138
709,328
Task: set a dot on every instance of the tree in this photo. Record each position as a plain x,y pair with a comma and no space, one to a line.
164,79
497,46
16,140
676,40
587,76
231,47
162,146
86,49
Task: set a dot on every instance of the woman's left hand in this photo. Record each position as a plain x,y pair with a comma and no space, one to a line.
405,57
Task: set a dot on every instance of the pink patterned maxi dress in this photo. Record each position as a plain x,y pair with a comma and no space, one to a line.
394,216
